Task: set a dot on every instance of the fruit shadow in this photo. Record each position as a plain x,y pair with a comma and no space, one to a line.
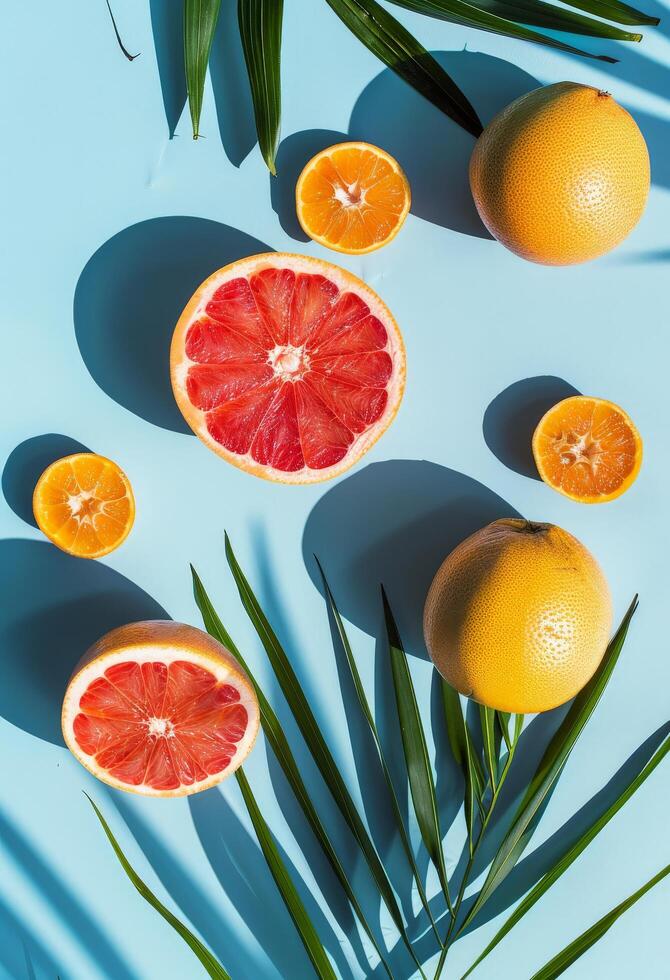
129,297
242,871
512,417
54,607
394,522
187,894
54,890
22,953
230,84
26,463
433,150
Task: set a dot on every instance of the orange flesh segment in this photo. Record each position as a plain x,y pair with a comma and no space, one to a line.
352,198
588,449
84,504
287,368
160,725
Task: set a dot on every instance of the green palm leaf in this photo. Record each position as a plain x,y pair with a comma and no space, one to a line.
396,47
419,771
365,708
210,963
490,741
287,889
549,769
260,29
311,732
460,741
567,956
279,743
571,855
200,17
471,15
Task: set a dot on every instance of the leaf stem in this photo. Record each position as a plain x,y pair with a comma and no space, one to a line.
471,860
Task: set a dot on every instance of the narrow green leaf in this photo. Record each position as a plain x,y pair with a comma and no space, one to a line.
567,956
501,729
279,743
379,31
119,40
365,708
261,29
417,760
471,15
453,713
549,769
210,963
200,17
572,853
311,732
474,787
491,746
287,889
616,10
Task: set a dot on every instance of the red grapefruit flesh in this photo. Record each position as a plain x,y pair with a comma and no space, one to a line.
288,367
160,709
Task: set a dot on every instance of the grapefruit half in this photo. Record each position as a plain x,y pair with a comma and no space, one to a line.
160,709
288,367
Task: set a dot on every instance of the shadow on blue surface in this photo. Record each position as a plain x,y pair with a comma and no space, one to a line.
185,891
25,465
232,94
128,300
22,953
394,522
55,891
242,871
432,149
54,607
511,418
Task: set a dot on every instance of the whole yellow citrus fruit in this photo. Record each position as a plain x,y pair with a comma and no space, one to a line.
561,175
518,616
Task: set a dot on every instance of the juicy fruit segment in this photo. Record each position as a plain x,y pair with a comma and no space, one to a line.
587,449
84,504
561,175
161,709
160,725
287,371
518,616
352,197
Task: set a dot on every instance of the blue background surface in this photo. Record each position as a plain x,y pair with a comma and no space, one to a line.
107,225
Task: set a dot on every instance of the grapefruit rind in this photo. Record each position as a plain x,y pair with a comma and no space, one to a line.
47,532
346,282
600,498
322,239
180,642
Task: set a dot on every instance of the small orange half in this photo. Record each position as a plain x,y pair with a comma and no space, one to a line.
352,197
588,449
84,504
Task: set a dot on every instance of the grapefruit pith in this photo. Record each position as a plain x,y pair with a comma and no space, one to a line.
161,709
287,366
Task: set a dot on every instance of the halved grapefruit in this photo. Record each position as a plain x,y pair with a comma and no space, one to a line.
160,709
287,366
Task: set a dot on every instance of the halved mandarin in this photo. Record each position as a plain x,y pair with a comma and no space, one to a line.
84,504
588,449
161,709
352,197
288,367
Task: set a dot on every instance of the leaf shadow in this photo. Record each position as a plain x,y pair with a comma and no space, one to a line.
241,869
54,890
22,952
232,93
167,24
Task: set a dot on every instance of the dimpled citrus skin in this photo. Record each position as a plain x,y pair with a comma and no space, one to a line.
561,175
518,616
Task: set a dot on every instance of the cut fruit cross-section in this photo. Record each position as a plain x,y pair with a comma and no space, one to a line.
84,504
588,449
352,197
288,367
160,709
